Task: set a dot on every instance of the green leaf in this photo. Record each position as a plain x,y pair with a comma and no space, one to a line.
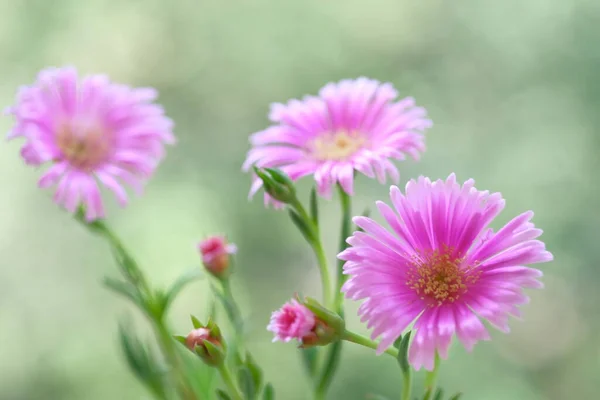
222,395
125,289
181,282
269,392
180,339
257,375
314,206
438,394
196,323
397,342
215,353
309,356
403,353
142,362
457,396
246,383
301,225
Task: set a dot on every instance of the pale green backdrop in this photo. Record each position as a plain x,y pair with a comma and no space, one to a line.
513,88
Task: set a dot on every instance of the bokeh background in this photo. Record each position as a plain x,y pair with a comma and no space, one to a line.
514,92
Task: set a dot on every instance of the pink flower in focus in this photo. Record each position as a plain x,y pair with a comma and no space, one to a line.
353,125
292,321
442,266
215,254
91,131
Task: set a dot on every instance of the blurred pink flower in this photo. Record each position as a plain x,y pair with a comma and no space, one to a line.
353,125
292,321
215,253
92,131
442,266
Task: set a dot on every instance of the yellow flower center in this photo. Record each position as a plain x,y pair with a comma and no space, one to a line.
439,277
84,146
337,146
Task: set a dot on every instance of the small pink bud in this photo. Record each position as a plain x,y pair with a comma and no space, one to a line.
215,253
197,341
292,321
197,338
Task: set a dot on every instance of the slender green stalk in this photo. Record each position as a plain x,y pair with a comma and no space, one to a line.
333,356
150,305
317,246
168,346
366,342
392,351
231,307
324,271
344,234
406,384
431,378
230,383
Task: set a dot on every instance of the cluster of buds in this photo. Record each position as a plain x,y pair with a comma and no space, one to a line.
206,341
216,255
308,322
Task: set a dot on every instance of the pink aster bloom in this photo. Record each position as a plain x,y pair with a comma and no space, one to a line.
442,266
91,131
292,321
353,125
215,253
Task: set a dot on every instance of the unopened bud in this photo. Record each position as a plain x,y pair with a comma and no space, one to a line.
277,184
216,253
206,342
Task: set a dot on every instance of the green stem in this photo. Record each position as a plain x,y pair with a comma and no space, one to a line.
317,247
392,351
149,305
324,270
406,384
366,342
344,234
333,356
230,383
431,378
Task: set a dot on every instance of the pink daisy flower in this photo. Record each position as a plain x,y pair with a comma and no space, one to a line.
353,125
91,131
442,266
292,321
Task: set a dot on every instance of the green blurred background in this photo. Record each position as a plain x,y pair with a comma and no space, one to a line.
513,90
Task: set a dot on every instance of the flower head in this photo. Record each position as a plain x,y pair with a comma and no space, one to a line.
353,125
215,254
292,321
91,131
442,266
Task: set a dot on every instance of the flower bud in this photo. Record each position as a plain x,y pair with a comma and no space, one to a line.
206,342
277,184
216,254
309,323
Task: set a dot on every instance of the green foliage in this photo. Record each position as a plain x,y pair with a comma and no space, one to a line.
402,346
314,206
143,362
246,382
268,392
